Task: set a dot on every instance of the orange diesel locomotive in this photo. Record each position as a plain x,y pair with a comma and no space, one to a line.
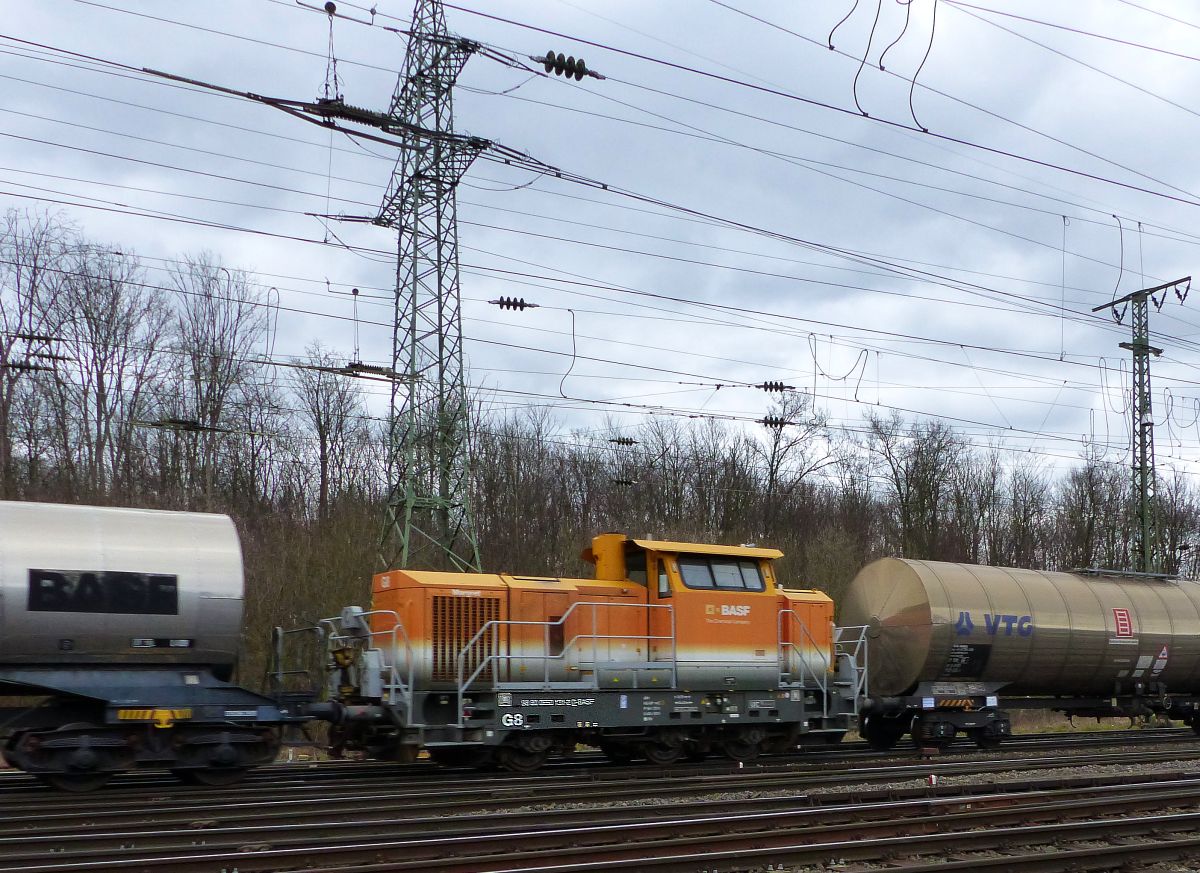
673,650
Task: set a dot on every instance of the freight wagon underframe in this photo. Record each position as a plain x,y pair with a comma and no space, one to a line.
936,715
74,728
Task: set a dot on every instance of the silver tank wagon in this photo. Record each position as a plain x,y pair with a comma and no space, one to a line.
961,634
122,626
84,584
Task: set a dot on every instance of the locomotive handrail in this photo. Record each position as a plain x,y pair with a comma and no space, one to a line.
854,648
789,646
495,657
395,679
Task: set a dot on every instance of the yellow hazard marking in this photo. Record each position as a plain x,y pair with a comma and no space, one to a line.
957,703
162,718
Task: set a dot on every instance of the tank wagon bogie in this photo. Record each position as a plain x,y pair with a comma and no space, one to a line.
673,650
950,644
124,626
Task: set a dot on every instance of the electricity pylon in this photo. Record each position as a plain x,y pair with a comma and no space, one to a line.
1144,480
428,521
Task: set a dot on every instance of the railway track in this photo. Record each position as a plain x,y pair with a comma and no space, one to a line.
151,792
721,834
335,816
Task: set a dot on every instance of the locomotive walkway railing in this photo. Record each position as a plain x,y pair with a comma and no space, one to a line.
494,660
795,651
355,630
799,648
351,633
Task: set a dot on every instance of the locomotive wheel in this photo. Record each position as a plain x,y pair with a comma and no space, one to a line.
519,760
211,776
657,753
74,782
618,753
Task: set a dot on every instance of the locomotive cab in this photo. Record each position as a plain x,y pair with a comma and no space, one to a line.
720,614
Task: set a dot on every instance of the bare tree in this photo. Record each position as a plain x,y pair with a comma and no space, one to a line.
218,325
112,326
33,249
918,465
1178,512
331,409
791,452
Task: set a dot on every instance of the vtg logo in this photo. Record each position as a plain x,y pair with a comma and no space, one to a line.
1022,624
727,609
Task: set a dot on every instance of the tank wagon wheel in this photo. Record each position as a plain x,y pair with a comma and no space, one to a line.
745,745
882,734
987,744
517,760
740,750
923,742
212,776
80,767
74,782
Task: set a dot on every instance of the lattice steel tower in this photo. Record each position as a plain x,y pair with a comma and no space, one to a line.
428,520
1145,490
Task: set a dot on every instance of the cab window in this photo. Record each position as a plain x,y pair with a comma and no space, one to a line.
664,583
696,572
635,566
725,574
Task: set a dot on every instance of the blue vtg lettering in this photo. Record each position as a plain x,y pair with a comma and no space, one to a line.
995,625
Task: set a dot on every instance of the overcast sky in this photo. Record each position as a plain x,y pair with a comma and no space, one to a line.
951,293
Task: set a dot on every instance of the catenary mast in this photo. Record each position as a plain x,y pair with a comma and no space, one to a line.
1144,480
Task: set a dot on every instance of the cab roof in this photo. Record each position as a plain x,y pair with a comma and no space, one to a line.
707,549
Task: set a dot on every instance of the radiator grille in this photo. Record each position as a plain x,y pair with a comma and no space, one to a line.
455,621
